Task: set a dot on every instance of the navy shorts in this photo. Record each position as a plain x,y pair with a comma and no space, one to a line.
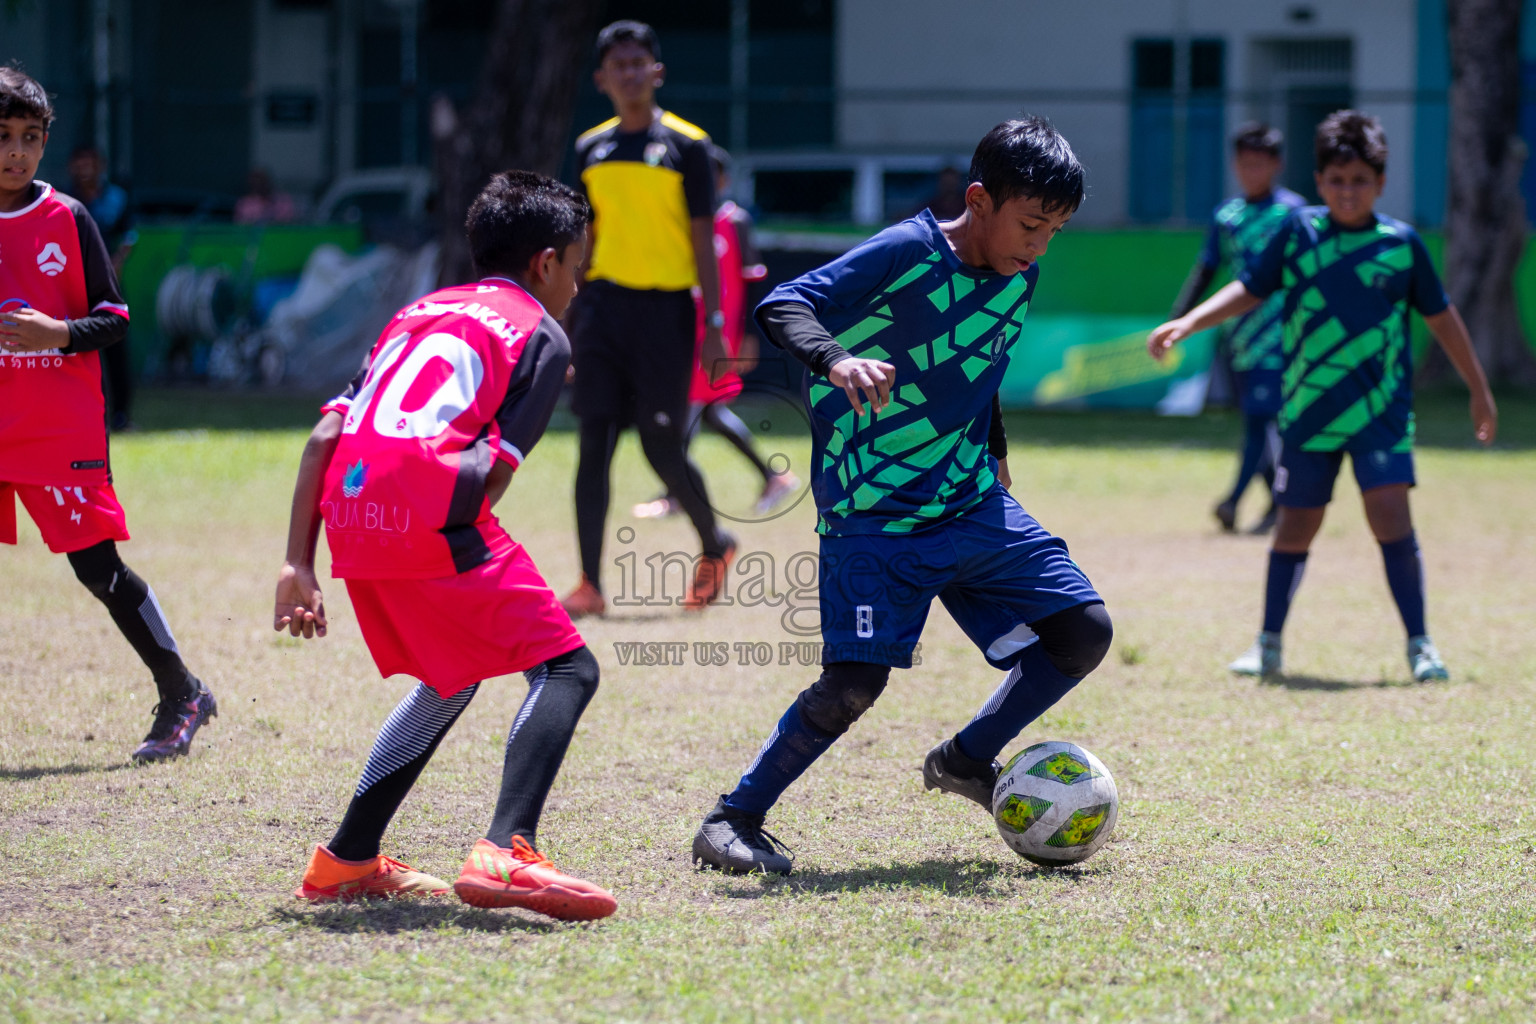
1305,479
994,567
1258,391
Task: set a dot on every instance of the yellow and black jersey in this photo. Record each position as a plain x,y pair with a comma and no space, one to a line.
644,188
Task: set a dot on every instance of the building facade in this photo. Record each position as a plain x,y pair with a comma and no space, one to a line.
837,110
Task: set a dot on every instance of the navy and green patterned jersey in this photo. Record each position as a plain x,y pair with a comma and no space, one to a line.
905,298
1348,383
1240,229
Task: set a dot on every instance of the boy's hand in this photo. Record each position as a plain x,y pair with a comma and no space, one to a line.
1003,474
713,356
28,330
1165,336
299,607
870,376
1485,417
746,359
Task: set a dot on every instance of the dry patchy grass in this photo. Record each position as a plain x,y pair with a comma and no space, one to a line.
1341,845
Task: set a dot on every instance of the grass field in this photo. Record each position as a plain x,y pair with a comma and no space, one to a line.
1342,845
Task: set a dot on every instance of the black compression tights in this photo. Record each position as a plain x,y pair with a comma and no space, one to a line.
728,425
558,692
663,445
134,609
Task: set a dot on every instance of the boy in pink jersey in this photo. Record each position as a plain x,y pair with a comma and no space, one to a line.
403,469
59,307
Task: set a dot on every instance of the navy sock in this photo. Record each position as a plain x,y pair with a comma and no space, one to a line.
786,755
1405,575
1026,692
1285,569
1255,442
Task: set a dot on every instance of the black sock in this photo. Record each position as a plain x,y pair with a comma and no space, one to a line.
1405,575
558,692
133,606
406,743
1285,569
598,439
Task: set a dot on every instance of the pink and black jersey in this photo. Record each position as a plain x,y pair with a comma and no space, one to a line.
461,378
52,411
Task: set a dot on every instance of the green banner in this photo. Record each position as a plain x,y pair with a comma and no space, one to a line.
1067,361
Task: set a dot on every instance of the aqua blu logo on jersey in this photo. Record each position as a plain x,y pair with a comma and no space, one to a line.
356,476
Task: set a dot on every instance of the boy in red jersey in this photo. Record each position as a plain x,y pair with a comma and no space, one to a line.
403,469
59,307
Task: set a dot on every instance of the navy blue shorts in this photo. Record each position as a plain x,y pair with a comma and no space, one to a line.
994,567
1258,391
1305,479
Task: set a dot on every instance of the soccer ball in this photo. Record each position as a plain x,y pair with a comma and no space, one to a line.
1055,803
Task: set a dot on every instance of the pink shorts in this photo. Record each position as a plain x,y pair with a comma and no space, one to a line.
69,518
453,631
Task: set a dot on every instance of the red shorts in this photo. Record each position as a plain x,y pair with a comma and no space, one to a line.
69,518
453,631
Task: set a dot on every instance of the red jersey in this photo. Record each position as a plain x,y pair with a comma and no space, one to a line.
733,249
461,378
52,412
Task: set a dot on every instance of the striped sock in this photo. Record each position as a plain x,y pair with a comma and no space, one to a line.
406,743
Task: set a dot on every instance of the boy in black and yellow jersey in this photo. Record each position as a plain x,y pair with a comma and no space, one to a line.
648,176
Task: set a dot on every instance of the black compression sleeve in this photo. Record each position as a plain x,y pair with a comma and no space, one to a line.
92,333
1199,280
793,327
997,434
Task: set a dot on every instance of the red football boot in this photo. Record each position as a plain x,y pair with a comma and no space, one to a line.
494,876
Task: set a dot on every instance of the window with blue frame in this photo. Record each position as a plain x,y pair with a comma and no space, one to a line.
1177,127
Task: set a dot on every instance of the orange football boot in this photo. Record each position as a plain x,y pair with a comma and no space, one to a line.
709,579
329,879
494,876
585,600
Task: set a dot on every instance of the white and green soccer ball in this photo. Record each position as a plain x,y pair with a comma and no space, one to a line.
1055,803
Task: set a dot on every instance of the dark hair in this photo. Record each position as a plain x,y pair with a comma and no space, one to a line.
1346,135
519,215
21,96
627,31
1028,157
1258,137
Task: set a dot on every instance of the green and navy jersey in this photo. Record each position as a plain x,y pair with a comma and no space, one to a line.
1240,229
1348,381
904,297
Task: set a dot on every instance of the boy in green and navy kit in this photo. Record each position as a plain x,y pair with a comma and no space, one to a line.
919,322
1349,276
1240,229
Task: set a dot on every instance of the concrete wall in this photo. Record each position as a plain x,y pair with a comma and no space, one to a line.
293,56
954,69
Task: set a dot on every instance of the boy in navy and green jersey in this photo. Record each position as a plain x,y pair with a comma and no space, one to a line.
1348,277
919,322
1240,229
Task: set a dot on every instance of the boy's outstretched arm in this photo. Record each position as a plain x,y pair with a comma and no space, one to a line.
793,327
1232,300
1451,332
299,606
